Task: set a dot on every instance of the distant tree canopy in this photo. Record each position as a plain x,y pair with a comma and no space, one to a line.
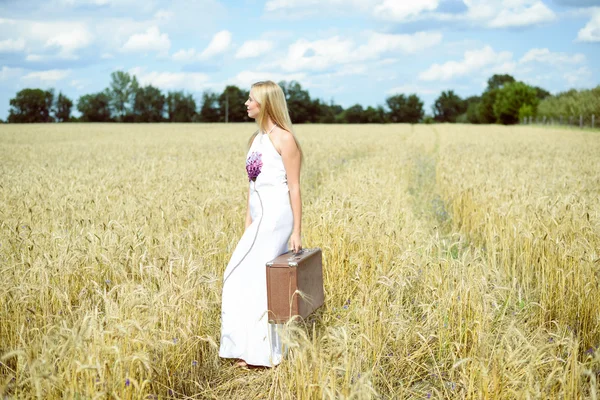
181,107
231,105
31,105
148,104
95,107
448,107
123,91
505,100
405,109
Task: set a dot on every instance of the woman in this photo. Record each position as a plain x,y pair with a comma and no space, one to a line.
273,218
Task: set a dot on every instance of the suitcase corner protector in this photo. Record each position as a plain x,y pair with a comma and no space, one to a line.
293,264
270,264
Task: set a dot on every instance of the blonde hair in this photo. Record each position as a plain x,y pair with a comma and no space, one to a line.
271,99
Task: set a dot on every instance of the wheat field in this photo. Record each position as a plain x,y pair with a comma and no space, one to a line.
459,262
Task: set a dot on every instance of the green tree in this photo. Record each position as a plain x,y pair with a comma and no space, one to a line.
209,111
95,107
498,81
511,99
405,109
231,104
180,107
485,109
149,105
471,114
31,105
448,106
541,94
374,115
328,113
302,109
123,88
63,107
354,115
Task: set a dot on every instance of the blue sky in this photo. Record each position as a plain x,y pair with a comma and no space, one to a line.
351,51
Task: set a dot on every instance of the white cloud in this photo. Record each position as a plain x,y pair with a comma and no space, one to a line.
508,13
380,43
591,31
193,81
317,5
411,88
219,44
548,57
151,40
488,13
245,79
107,56
580,76
185,55
12,45
34,57
68,42
401,10
7,73
474,61
164,15
326,53
78,84
254,48
52,75
66,36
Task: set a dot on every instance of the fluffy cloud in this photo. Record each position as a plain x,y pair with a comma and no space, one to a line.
591,31
401,10
475,61
49,76
489,13
380,43
326,53
194,81
65,36
68,37
254,48
508,13
8,73
553,58
245,79
411,88
318,5
151,40
580,76
12,45
219,44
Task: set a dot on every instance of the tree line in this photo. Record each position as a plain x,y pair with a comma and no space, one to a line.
504,101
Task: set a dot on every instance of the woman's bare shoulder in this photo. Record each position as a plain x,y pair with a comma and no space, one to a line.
283,137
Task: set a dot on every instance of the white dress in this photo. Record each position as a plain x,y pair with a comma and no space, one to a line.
245,331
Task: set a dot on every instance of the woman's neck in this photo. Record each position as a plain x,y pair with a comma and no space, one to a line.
270,126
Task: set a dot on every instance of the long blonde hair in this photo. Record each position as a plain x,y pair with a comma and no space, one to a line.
271,99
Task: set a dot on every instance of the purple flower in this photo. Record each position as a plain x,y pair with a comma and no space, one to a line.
254,165
127,382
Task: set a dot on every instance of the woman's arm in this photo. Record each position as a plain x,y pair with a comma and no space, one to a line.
291,161
248,217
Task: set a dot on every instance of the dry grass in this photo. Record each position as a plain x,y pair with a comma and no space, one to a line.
460,262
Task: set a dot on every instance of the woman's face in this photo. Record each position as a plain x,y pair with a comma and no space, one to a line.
252,106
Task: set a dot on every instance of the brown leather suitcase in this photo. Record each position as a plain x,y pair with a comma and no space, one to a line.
295,285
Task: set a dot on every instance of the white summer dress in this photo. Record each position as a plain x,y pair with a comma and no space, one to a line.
245,331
